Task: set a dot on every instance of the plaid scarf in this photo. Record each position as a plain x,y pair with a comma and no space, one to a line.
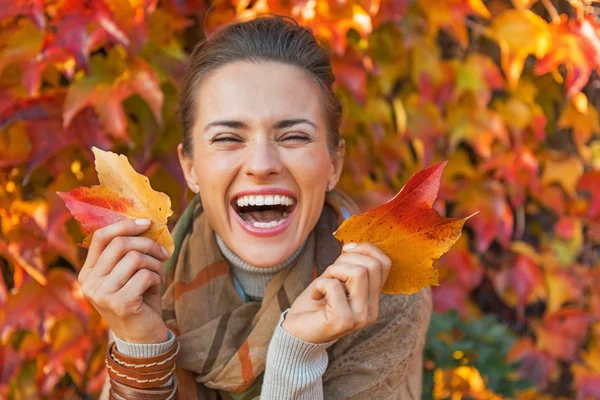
224,340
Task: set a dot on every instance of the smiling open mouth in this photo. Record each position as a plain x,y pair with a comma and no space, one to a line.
264,211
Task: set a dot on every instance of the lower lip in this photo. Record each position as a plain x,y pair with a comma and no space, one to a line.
264,232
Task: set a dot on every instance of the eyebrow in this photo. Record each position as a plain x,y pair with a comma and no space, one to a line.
282,124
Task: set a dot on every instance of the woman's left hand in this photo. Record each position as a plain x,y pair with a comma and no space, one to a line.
342,300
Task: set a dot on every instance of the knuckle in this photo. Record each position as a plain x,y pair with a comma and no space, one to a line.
99,234
345,324
360,273
120,242
145,275
335,284
135,257
387,263
85,290
363,320
120,310
102,301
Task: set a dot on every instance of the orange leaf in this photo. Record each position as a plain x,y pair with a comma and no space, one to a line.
451,14
587,375
122,193
409,231
582,118
577,47
563,287
519,33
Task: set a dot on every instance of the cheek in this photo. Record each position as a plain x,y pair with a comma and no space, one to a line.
311,171
215,173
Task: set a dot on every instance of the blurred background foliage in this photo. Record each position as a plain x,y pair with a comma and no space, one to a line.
506,90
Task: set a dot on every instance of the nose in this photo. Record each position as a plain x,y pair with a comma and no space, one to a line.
262,160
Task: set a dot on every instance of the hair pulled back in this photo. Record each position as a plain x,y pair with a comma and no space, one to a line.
264,39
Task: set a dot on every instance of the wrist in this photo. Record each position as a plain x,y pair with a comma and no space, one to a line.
156,336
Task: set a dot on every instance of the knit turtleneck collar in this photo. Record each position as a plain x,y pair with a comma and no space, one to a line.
253,280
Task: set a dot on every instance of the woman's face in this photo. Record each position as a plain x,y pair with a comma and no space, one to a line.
260,157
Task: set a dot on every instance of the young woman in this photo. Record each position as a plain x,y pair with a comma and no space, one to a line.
260,300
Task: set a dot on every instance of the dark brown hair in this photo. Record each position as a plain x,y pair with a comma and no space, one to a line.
268,38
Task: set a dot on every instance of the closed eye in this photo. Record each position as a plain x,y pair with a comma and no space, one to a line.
226,139
296,138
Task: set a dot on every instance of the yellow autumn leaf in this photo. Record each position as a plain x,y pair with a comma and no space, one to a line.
123,193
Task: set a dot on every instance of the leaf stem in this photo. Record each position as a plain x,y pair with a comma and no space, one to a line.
551,10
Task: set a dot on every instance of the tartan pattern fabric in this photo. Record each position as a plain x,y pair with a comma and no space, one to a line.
223,339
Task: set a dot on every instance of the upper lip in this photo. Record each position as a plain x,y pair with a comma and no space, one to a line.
265,191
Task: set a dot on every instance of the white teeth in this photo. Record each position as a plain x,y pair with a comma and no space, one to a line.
267,224
268,200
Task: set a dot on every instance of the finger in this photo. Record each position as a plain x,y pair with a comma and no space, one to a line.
369,249
373,267
127,267
356,281
120,246
337,310
103,236
142,281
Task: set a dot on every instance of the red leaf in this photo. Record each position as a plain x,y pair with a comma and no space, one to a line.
389,10
563,333
523,280
32,304
590,183
3,291
495,217
518,169
536,365
110,82
79,28
34,9
10,364
450,296
46,131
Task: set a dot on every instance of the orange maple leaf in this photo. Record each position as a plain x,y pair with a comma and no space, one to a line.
409,231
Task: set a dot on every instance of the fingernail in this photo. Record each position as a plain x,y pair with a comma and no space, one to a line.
165,252
142,221
349,246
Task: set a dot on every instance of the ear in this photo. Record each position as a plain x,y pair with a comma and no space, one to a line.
187,165
337,161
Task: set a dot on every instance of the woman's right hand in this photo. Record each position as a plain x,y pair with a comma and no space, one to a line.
122,277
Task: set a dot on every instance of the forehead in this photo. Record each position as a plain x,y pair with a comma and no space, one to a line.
258,91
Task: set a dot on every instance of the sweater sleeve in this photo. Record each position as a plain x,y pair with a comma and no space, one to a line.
144,350
294,367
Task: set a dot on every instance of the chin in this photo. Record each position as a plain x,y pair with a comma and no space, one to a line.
266,257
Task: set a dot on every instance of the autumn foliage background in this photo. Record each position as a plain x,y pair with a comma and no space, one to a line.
507,91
